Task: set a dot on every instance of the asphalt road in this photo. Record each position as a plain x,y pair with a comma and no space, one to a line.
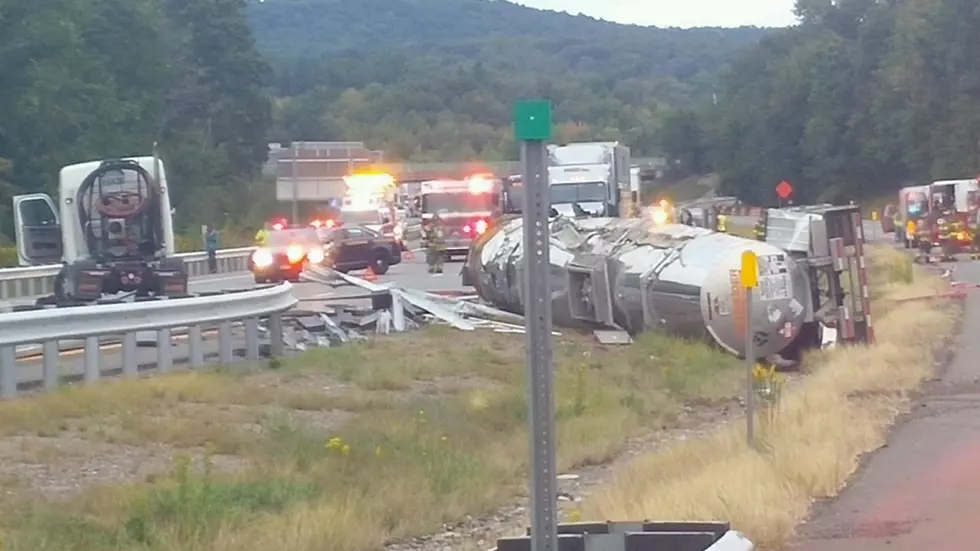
921,491
411,273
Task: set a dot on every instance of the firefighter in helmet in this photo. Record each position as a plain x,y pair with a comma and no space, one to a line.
435,245
975,235
949,229
759,230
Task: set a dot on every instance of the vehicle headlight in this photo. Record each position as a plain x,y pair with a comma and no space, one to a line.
262,258
295,253
315,255
481,227
659,216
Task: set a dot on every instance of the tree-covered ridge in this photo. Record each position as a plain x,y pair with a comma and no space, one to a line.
436,79
284,28
93,79
864,96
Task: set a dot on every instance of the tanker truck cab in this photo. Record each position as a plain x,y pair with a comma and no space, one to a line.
111,228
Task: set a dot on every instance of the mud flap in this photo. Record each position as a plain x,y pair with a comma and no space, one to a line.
171,278
80,281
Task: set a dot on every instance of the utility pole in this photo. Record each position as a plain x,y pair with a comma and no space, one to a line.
295,147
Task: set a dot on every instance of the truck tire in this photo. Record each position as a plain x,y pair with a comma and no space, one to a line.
382,261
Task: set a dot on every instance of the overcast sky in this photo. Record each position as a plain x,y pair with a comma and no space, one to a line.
679,13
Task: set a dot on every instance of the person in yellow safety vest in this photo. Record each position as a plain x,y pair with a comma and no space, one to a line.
722,225
262,236
910,230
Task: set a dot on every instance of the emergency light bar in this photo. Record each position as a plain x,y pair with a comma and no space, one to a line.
369,183
476,184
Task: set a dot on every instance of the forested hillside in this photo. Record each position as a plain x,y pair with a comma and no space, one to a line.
859,99
435,79
91,79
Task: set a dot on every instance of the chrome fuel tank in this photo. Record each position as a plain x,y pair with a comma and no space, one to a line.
640,276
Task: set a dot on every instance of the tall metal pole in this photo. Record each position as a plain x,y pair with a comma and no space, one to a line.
295,183
750,280
537,310
749,371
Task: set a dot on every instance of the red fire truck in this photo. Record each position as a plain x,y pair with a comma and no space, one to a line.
952,203
466,209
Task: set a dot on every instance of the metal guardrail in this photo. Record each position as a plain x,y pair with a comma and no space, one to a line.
35,281
94,324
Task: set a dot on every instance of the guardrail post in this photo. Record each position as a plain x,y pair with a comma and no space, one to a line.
92,368
51,354
251,339
130,363
277,345
225,352
8,372
195,346
165,351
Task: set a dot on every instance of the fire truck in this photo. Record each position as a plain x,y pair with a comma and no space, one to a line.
466,209
930,206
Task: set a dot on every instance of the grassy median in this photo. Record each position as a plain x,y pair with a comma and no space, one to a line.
339,449
819,430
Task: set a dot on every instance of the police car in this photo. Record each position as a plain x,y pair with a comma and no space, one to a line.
285,253
351,247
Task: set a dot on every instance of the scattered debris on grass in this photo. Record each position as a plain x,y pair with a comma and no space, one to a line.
379,441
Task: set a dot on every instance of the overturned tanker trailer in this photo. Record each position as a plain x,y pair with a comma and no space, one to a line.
632,274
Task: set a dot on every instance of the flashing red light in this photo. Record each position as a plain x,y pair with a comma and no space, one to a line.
467,228
278,226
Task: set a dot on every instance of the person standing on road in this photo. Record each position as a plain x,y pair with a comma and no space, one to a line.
435,246
211,246
262,236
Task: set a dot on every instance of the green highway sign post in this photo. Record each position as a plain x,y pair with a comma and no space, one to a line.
750,280
532,125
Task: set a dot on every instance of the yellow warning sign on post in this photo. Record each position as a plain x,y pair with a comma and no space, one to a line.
750,270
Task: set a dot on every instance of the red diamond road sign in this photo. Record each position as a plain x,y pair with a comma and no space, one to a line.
784,190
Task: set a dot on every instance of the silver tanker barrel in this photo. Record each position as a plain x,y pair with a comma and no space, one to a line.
640,276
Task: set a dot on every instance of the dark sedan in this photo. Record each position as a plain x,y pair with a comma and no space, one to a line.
357,248
285,255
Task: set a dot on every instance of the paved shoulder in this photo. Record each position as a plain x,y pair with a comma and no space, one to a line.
922,491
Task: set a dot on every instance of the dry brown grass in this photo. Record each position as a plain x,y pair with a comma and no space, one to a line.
339,449
811,447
